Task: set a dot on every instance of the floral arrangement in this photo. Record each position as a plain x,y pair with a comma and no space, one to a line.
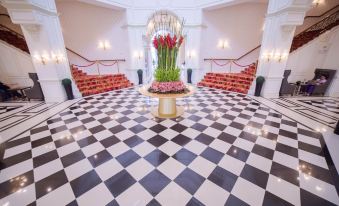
168,30
176,87
167,74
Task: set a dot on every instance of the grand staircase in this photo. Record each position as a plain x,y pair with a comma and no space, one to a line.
315,30
95,84
87,84
13,38
235,82
241,82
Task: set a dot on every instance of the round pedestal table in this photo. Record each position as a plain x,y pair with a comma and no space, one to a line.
167,107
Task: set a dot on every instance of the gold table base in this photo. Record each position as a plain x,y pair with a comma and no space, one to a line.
167,108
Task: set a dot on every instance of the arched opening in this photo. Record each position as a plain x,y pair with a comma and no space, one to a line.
157,25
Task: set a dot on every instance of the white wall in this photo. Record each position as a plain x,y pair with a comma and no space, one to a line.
15,66
84,25
241,25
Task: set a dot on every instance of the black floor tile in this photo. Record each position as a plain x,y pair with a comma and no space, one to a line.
285,173
234,201
154,182
133,141
223,178
109,141
87,141
127,158
254,175
72,158
189,180
100,158
45,158
184,156
212,155
51,183
204,138
270,199
157,140
119,183
181,139
156,157
85,182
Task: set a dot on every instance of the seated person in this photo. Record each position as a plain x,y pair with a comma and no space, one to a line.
311,84
6,93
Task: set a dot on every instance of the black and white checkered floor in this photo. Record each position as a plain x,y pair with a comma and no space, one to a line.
108,150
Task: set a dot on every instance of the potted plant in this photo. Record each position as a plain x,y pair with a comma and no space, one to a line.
140,76
67,83
189,76
167,73
259,83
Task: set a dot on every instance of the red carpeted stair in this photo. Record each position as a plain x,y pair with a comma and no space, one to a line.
235,82
95,84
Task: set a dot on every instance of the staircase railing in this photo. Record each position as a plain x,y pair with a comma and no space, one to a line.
315,30
97,62
20,38
231,61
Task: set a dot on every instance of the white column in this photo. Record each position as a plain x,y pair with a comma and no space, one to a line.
41,27
280,23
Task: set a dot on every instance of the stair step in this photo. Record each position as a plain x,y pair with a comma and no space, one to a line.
95,84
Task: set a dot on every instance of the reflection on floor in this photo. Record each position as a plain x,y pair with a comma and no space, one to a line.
109,150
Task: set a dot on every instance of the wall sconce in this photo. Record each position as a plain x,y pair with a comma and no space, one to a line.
317,2
223,44
280,56
190,54
43,58
267,56
104,45
275,55
138,54
58,57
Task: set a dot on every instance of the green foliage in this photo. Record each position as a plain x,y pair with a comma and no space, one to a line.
66,81
260,79
167,75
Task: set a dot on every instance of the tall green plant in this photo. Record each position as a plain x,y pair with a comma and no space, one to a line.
167,50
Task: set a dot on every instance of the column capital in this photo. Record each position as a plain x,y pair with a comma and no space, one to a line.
29,11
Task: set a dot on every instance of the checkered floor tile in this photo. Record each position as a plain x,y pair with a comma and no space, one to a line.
331,105
109,150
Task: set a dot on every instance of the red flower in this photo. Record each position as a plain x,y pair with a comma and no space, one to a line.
155,42
162,41
181,40
168,41
174,41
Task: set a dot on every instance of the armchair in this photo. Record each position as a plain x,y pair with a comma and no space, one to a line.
35,92
329,74
286,88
